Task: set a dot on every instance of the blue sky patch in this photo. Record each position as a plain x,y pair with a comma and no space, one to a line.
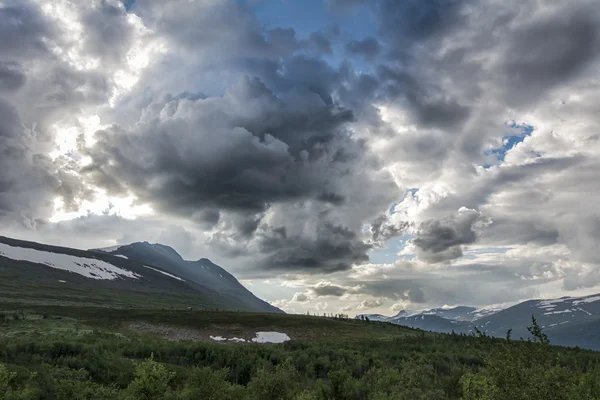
388,254
521,131
128,4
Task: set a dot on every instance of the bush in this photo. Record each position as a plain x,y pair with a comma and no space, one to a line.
151,381
280,384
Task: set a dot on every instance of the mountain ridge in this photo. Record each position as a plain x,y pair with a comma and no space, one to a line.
203,272
144,277
569,321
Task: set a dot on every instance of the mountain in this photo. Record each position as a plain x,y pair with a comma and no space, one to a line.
572,321
568,321
40,274
203,273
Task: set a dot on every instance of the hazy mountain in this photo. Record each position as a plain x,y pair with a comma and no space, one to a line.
149,276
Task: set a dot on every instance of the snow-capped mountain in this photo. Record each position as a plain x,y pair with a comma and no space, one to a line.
459,313
573,321
139,274
565,320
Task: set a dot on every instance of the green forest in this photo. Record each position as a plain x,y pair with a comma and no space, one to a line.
97,364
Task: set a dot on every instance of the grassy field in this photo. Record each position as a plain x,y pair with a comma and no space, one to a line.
199,325
80,352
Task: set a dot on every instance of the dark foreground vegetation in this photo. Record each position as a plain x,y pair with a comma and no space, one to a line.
76,361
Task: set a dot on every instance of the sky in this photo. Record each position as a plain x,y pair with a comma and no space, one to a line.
335,155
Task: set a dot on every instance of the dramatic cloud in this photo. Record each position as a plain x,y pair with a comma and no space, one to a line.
407,154
441,240
323,289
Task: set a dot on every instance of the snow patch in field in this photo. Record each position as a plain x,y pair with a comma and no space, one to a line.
235,339
88,267
218,338
270,337
587,300
165,273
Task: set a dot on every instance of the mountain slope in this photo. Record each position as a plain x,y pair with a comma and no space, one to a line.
565,320
569,321
40,274
209,277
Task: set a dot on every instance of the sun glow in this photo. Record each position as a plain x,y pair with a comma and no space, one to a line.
67,135
101,204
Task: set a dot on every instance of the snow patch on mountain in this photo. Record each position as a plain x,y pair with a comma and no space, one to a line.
88,267
558,312
165,273
587,300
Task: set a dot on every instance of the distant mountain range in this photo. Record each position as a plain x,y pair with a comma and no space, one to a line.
140,274
568,321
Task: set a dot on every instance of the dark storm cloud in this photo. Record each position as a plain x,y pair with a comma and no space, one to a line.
274,151
551,50
107,33
209,218
303,73
430,105
368,48
277,139
333,248
11,77
23,30
440,240
404,23
383,229
10,125
242,153
324,289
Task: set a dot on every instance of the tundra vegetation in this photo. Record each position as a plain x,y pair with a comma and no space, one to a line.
46,354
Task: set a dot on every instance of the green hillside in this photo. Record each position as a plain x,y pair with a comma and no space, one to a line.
54,352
